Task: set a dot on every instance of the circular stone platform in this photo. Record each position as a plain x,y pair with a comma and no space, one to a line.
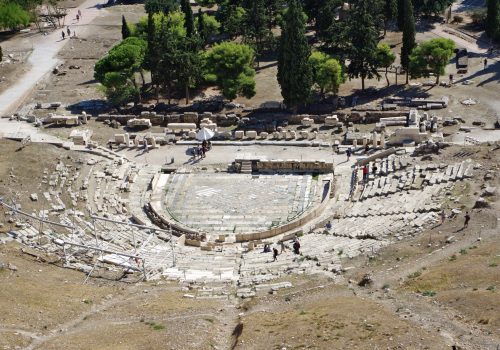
228,204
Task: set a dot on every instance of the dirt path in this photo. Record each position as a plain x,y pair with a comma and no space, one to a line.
43,57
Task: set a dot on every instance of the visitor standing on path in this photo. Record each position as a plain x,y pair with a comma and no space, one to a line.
63,35
275,254
485,63
467,219
443,216
348,153
68,31
366,172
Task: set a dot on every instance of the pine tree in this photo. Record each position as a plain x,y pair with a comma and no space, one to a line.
201,27
363,35
493,18
401,14
125,28
188,17
294,72
408,36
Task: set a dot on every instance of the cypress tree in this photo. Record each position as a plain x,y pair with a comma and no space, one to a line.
201,27
408,36
493,18
256,29
125,28
401,14
390,11
294,72
188,17
363,34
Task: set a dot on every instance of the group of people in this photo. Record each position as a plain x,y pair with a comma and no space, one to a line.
200,151
68,31
466,218
274,250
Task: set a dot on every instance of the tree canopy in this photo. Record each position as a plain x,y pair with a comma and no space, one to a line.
493,19
13,16
116,71
326,72
294,71
229,66
431,57
385,57
363,35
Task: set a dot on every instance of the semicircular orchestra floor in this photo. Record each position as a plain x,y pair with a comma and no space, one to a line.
238,203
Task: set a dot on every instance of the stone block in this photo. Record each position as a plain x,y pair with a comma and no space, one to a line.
239,134
251,134
263,135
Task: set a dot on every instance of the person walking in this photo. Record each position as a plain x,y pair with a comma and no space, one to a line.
366,172
467,219
374,169
443,216
63,35
485,63
68,31
275,254
296,246
348,153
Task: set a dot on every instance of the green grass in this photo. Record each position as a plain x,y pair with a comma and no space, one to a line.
415,274
429,293
453,257
491,288
463,251
493,264
87,301
155,326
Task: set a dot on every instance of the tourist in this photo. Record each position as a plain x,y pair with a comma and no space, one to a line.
145,144
374,169
282,245
366,172
203,151
68,31
275,254
267,248
77,18
110,146
348,153
367,148
193,152
63,35
79,13
296,246
485,63
209,145
443,216
467,219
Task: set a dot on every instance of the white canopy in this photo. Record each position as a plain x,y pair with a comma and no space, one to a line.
204,134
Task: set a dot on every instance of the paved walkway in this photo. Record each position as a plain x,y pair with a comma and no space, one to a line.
43,58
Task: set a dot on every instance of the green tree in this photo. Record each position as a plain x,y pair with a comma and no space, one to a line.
294,71
256,30
188,17
207,25
363,36
326,72
229,66
161,6
385,57
408,36
12,16
429,8
390,12
431,57
200,25
401,14
232,18
125,28
188,64
493,18
116,71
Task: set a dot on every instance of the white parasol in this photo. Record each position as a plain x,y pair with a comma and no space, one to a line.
204,134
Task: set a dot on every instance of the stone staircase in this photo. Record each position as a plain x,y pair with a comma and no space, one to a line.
246,167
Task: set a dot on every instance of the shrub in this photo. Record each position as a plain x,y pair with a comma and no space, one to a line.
12,16
428,293
478,17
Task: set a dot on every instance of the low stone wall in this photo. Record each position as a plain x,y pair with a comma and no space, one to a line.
294,166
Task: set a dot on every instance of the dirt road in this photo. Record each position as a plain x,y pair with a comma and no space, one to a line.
42,59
